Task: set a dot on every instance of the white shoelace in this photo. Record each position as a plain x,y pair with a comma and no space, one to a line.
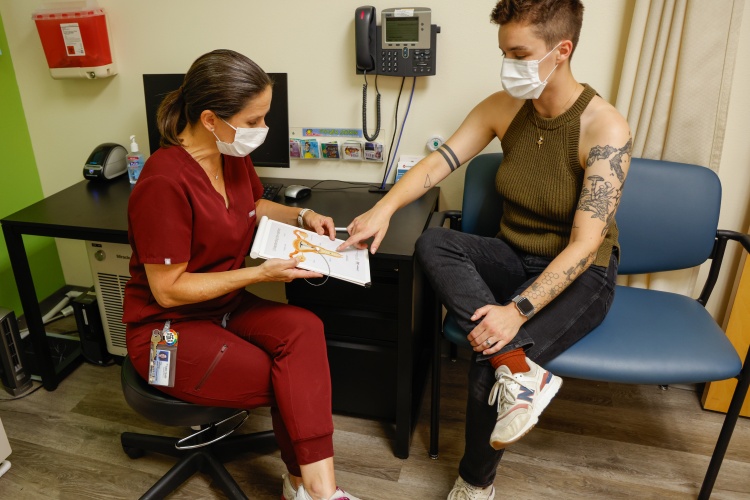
465,491
503,392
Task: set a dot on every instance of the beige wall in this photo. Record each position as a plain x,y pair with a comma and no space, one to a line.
313,42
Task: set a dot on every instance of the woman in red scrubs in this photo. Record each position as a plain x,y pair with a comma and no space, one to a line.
191,220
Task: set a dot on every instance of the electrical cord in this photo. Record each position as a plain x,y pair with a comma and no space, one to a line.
328,275
395,128
64,312
403,123
354,185
2,400
364,110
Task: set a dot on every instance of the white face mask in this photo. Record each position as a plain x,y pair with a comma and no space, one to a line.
246,140
520,78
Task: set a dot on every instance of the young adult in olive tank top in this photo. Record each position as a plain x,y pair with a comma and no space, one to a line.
548,277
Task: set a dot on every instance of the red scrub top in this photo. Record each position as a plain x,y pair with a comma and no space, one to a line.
175,215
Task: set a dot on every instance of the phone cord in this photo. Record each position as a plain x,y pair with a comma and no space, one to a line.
364,111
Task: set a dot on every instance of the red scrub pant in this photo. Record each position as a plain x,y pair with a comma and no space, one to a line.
269,354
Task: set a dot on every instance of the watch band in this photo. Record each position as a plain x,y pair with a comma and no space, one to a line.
300,221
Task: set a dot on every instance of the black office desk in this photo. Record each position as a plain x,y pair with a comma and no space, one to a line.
393,324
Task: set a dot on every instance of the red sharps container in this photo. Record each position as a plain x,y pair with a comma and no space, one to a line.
75,39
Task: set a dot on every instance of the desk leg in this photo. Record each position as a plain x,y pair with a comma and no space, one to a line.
22,272
405,379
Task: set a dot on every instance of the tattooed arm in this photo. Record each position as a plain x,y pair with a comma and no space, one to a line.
606,169
486,121
606,161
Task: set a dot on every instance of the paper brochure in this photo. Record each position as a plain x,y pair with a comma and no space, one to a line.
276,240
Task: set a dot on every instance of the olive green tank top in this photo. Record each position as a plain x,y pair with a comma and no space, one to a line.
541,184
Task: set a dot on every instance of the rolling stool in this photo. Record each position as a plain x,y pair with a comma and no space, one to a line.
210,448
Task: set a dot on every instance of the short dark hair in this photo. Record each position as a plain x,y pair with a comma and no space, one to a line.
223,81
552,20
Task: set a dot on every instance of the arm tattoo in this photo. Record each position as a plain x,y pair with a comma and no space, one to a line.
601,198
583,264
449,156
427,182
615,163
546,287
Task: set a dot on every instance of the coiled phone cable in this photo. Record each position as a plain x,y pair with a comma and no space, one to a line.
364,110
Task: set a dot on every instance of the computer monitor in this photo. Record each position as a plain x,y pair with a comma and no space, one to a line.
275,150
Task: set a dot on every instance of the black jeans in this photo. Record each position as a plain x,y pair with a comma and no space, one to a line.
468,272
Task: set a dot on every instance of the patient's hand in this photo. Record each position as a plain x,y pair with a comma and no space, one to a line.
371,224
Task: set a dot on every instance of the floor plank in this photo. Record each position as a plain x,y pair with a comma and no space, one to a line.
596,440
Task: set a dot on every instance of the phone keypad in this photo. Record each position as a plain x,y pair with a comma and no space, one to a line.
420,61
389,63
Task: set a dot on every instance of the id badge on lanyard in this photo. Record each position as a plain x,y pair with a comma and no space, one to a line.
163,356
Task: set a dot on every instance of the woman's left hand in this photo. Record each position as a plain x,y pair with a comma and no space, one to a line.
498,326
319,223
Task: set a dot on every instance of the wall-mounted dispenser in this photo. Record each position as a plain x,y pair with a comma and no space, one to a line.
75,39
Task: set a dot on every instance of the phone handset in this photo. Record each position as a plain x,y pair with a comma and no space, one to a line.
365,34
366,40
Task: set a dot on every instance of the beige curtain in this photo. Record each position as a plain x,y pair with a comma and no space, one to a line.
675,89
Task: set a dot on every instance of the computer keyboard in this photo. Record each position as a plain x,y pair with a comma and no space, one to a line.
271,190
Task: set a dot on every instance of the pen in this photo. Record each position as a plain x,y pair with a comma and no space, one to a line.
340,229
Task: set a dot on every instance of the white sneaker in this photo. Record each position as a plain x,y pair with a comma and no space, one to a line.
338,495
521,398
288,492
464,491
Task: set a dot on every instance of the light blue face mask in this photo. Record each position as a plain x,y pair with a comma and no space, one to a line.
246,140
520,78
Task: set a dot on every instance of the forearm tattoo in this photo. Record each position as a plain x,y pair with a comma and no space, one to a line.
601,197
427,182
549,285
449,156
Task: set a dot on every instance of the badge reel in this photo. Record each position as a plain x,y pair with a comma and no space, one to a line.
163,356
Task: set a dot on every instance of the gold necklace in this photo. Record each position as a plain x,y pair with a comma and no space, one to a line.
216,173
540,140
565,106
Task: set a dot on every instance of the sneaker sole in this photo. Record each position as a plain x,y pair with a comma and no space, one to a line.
545,397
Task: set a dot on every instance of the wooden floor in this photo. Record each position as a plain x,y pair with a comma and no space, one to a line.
596,440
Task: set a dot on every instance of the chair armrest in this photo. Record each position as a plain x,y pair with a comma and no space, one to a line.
438,219
717,256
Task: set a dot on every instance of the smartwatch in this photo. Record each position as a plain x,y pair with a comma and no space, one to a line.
524,306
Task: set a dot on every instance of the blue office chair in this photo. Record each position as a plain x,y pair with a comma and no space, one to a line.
668,220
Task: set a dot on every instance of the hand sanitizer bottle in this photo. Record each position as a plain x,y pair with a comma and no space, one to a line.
135,161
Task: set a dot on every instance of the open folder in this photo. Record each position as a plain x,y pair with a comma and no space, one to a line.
276,240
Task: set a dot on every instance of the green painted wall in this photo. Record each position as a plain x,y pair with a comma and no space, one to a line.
20,187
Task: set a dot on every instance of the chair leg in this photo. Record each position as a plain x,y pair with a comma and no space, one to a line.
178,474
453,351
133,442
211,465
208,460
727,429
435,398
